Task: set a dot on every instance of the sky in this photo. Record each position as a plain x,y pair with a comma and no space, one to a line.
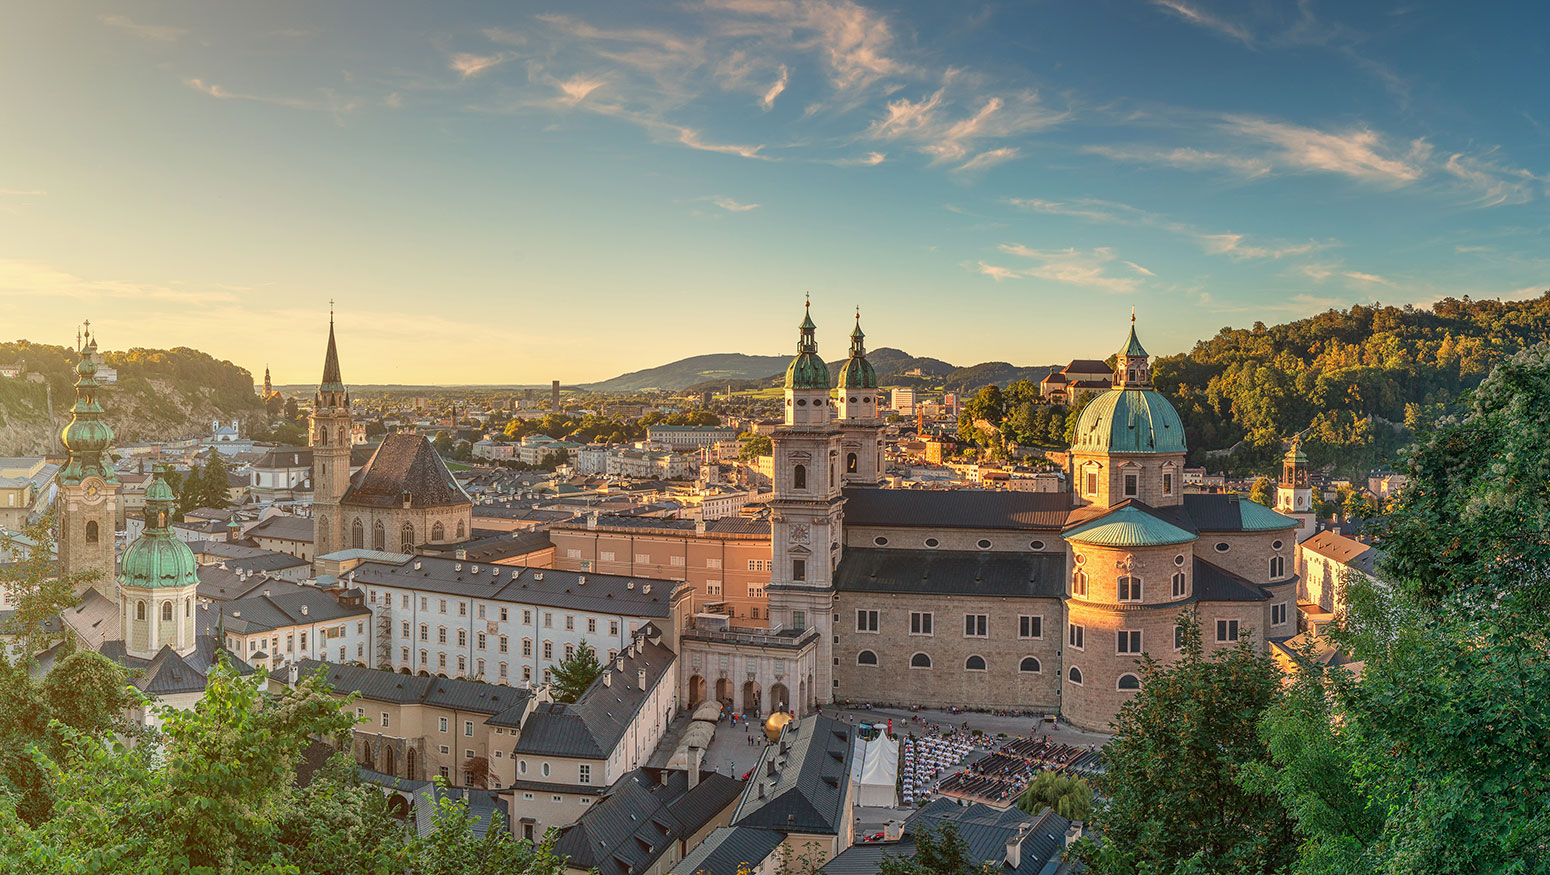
519,191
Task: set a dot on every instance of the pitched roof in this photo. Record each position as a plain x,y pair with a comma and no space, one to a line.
984,829
405,465
582,591
171,672
1227,512
502,703
804,778
727,848
952,572
284,527
956,509
223,584
1130,524
277,608
594,724
1088,366
1214,583
641,816
1346,551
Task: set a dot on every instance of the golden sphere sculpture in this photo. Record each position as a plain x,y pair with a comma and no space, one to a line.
775,724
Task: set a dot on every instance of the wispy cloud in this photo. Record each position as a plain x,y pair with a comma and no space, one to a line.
19,277
154,32
855,43
870,159
576,88
768,100
1235,246
330,101
988,159
469,64
995,272
1491,183
1072,267
1199,17
1367,278
1360,153
1139,269
935,127
729,204
1185,158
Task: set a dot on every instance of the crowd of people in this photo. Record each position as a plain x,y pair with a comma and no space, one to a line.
924,759
999,778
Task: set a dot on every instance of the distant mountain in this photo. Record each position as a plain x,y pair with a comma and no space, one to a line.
676,376
895,367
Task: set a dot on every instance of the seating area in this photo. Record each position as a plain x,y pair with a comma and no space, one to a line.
998,779
924,760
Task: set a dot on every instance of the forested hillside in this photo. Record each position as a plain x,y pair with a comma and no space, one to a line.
1358,381
160,393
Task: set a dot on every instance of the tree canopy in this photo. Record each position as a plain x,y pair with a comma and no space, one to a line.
575,673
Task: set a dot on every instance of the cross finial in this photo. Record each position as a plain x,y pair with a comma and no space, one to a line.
330,312
1132,314
809,302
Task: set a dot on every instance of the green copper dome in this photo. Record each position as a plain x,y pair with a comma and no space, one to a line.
157,559
857,372
1130,420
1129,527
807,370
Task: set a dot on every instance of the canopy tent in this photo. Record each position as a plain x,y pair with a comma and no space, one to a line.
708,710
878,781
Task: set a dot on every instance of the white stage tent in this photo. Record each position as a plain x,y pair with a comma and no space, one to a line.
878,778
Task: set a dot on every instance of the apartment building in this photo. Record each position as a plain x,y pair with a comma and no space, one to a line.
289,623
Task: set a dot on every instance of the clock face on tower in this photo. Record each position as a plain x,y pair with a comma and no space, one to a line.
92,489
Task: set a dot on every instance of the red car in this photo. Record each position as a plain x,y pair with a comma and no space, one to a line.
874,837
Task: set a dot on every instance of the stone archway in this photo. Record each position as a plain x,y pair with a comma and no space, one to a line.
398,806
751,693
696,690
724,692
780,698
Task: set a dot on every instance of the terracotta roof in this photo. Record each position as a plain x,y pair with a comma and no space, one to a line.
1346,551
405,464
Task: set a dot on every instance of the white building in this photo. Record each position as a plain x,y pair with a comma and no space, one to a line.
904,401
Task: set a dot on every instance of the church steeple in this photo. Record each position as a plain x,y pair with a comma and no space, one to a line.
87,437
1133,367
330,441
159,580
331,378
857,400
268,386
88,485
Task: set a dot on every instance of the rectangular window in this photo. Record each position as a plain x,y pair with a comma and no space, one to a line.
798,569
462,609
441,724
591,625
583,774
441,635
1128,641
1092,482
1167,484
713,588
1226,630
1129,589
425,632
1075,639
572,553
866,621
527,617
442,608
384,719
483,641
799,620
1278,614
1030,627
570,622
1178,637
613,627
462,637
976,625
548,620
605,556
1132,485
642,558
405,627
676,560
503,615
503,645
423,602
548,650
920,622
481,612
1178,585
406,600
468,728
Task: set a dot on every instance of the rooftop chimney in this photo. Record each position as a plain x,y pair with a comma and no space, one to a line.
640,677
696,757
1014,846
1073,832
608,678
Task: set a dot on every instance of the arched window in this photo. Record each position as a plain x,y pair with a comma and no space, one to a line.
461,532
91,531
1128,682
409,764
1029,664
920,660
357,534
1076,675
378,536
323,436
166,612
322,523
850,463
974,663
799,477
1277,566
866,657
1079,583
1178,584
406,539
139,610
1129,588
438,532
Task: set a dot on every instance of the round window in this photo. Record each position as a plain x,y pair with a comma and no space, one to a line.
880,541
1276,545
1179,559
1080,559
817,402
801,402
1036,545
932,542
853,399
984,544
867,399
1223,546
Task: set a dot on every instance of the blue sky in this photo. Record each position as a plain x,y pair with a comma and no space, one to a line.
520,191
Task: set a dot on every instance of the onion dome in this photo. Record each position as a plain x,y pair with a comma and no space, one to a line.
807,370
158,559
87,437
857,372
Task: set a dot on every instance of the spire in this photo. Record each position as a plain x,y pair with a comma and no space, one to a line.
806,342
1133,348
1133,366
807,369
268,386
87,437
857,337
331,378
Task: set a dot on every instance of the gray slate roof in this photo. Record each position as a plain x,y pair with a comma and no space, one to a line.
726,848
276,610
983,828
956,509
582,591
282,527
219,584
951,572
593,725
505,704
1214,583
171,672
809,787
641,816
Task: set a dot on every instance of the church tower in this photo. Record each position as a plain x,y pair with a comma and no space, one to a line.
807,511
157,592
88,487
1294,495
268,386
330,439
862,450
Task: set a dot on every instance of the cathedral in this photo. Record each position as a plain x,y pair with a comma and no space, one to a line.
402,498
1016,600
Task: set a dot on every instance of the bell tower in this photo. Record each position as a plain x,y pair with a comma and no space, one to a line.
330,440
88,486
1294,494
862,450
807,511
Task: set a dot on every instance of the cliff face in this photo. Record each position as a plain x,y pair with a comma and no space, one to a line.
160,395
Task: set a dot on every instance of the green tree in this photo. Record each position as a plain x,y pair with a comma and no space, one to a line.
1173,773
574,674
1263,492
33,584
452,847
462,451
443,443
754,446
213,484
939,851
1069,796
